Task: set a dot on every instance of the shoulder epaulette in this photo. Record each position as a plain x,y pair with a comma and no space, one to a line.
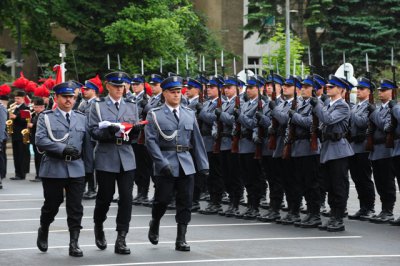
155,108
48,112
101,99
79,112
187,108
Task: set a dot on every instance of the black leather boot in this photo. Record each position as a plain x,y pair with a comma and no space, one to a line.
180,243
74,249
43,235
154,231
120,244
99,237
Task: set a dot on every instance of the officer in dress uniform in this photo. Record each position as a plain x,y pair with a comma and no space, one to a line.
268,162
171,133
381,156
114,159
207,117
250,167
92,88
360,165
395,107
335,150
21,152
306,158
38,107
143,170
4,92
229,161
286,166
63,136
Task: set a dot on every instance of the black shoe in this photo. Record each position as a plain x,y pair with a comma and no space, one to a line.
291,219
37,179
336,225
154,231
324,226
252,215
100,238
90,194
42,239
313,221
211,209
120,244
270,216
264,204
383,217
395,222
231,212
74,249
357,215
172,205
195,207
367,215
240,215
17,178
225,198
180,243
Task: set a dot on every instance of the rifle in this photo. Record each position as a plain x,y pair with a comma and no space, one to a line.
238,126
274,122
315,120
290,131
217,143
393,120
371,126
141,137
261,133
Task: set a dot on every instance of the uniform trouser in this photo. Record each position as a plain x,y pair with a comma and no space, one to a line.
89,179
337,184
253,178
38,159
306,178
289,183
321,182
22,158
384,181
215,181
274,181
165,187
144,168
105,193
231,175
53,191
396,167
360,171
3,160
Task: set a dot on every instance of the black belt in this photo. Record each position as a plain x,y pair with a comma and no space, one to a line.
379,141
358,138
333,136
177,148
66,158
226,135
302,136
247,135
117,141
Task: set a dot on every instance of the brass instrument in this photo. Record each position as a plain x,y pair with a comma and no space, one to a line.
10,122
26,132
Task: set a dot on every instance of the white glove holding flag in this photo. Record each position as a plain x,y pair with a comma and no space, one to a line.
124,128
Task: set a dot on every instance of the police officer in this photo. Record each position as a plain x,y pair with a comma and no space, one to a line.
360,165
208,117
62,134
114,158
38,107
305,157
93,87
21,152
250,167
268,162
396,150
335,150
172,131
381,156
229,161
4,91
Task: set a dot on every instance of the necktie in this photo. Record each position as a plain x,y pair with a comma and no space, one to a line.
67,117
176,116
117,105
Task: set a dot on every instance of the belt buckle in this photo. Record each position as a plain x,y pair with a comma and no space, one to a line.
119,141
179,148
68,158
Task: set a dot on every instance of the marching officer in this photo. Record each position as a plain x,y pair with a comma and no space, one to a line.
90,91
396,150
229,161
63,136
381,156
305,156
207,117
21,152
171,133
360,165
335,150
268,162
114,158
250,167
38,107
